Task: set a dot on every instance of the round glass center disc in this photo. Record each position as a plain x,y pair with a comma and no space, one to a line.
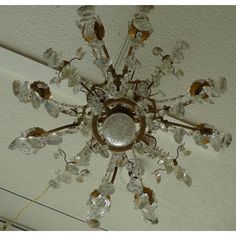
119,129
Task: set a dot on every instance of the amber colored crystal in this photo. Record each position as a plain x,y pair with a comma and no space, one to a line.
150,194
133,33
88,38
99,30
37,132
197,87
42,89
204,130
95,193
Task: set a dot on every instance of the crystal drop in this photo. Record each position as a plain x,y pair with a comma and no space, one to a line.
222,85
142,24
141,201
16,87
88,32
80,178
187,180
52,57
103,151
96,213
74,81
47,53
76,89
138,170
142,90
54,183
133,63
158,177
177,55
154,153
179,73
100,203
82,160
182,44
152,220
145,8
130,165
197,137
24,92
179,110
35,100
52,108
86,11
103,62
168,165
72,168
156,124
93,223
178,172
149,214
106,189
68,71
135,186
36,142
53,139
84,172
157,51
226,140
215,141
186,152
55,60
55,80
80,53
24,146
139,148
13,144
163,127
65,177
179,134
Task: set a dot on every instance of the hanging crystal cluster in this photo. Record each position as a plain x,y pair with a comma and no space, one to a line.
121,115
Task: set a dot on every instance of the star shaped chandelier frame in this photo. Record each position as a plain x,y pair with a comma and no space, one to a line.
121,115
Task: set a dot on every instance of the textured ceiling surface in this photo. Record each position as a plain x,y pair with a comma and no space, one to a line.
208,205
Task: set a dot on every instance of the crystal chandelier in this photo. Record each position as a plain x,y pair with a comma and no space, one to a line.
121,117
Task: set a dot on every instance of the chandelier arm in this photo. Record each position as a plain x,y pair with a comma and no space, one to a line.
110,68
114,175
74,108
169,123
69,105
121,53
80,119
63,127
125,69
182,120
89,91
132,76
172,99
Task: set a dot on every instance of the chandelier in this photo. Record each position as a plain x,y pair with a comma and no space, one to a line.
121,118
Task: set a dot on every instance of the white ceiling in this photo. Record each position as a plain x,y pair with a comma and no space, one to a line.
208,205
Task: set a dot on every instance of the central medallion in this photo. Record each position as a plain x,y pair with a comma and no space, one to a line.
119,129
118,125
